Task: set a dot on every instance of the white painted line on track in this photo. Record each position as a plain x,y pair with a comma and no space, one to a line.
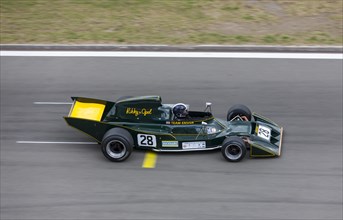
330,56
53,142
53,103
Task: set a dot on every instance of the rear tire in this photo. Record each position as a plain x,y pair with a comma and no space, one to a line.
117,145
238,110
234,149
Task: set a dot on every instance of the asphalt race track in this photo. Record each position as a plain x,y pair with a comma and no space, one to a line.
75,181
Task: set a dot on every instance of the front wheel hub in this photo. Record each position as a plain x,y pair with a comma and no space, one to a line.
233,152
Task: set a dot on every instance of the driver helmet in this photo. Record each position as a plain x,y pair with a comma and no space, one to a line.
180,110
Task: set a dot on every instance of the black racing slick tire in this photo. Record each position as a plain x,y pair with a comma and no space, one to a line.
234,149
238,110
117,145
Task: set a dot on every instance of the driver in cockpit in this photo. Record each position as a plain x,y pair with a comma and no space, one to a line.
180,111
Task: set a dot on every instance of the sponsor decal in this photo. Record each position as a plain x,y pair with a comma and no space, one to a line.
170,144
182,122
136,112
211,130
194,145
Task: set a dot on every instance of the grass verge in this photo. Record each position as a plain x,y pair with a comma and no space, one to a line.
282,22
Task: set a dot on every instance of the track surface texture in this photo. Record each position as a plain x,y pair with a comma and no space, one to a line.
65,181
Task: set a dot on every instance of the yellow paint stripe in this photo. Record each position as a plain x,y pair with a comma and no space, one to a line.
149,160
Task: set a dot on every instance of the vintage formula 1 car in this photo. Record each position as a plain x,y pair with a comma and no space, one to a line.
144,122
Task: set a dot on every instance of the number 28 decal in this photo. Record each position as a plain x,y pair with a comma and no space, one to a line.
146,140
264,132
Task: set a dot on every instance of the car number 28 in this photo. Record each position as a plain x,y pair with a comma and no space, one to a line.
146,140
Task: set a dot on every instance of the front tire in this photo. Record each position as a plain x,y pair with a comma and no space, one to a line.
239,110
234,149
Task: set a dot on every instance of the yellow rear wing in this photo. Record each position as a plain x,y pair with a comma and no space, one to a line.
86,108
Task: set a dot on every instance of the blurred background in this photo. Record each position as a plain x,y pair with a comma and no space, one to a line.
282,22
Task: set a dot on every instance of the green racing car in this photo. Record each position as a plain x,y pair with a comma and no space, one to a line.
143,122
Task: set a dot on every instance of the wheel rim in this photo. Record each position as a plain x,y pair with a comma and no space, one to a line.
116,149
233,152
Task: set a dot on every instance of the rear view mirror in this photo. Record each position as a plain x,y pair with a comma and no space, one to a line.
208,106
